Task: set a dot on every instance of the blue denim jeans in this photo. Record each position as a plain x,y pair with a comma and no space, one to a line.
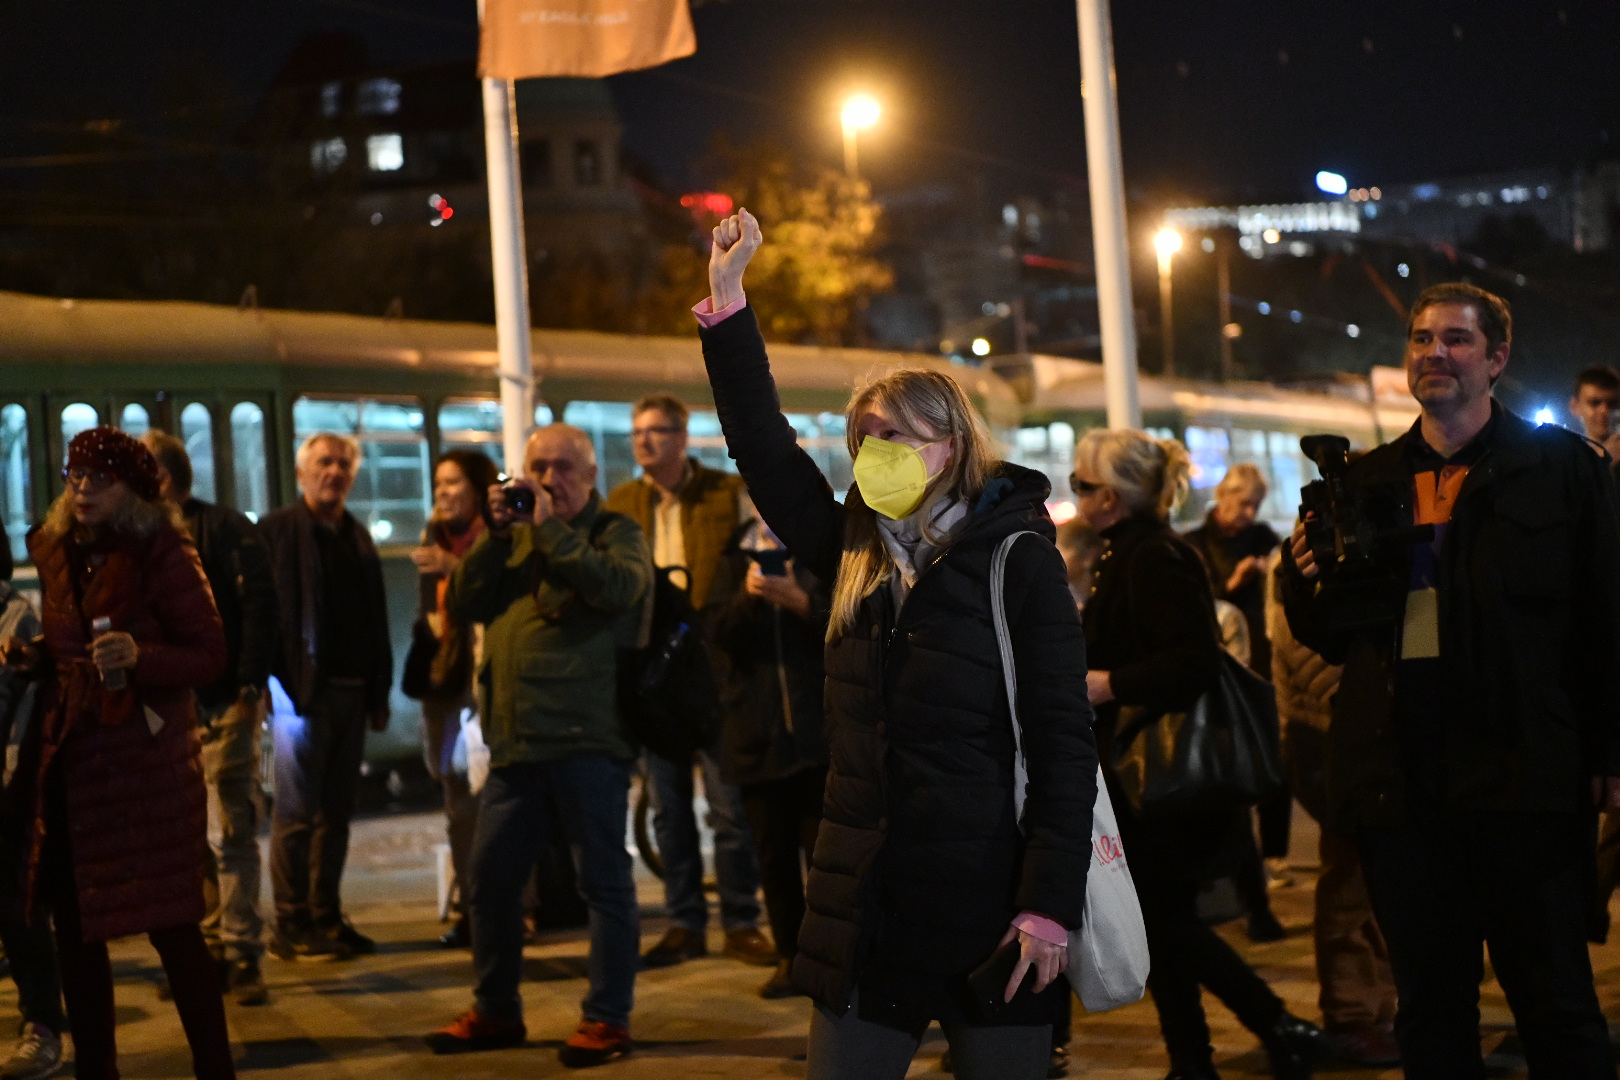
587,796
675,825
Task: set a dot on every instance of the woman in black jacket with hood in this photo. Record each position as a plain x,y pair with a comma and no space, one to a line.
921,870
1152,639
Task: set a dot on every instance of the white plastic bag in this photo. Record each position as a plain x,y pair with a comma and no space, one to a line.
1108,955
476,752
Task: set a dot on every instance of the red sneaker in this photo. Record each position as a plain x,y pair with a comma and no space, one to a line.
594,1043
473,1031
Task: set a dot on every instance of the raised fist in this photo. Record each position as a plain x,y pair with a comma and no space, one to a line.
735,241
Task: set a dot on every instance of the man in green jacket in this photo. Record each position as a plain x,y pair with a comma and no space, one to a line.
559,591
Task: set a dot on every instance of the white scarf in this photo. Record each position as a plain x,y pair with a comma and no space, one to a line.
911,551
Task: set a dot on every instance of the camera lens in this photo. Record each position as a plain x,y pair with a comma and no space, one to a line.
519,499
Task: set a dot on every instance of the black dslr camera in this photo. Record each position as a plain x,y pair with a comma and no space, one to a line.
519,497
1360,538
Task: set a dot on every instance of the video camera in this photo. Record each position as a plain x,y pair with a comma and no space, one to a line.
1360,538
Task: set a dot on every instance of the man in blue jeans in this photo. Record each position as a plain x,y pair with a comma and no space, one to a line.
689,513
559,589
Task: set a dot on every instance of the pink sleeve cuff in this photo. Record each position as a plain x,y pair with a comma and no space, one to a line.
1039,926
707,316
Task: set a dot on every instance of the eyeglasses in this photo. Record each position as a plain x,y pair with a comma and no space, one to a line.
664,429
89,480
1083,487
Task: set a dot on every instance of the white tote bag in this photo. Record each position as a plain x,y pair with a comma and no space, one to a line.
1108,955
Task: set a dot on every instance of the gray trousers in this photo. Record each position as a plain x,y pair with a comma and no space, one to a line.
849,1048
230,758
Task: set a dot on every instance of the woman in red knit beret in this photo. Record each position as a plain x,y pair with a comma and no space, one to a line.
110,786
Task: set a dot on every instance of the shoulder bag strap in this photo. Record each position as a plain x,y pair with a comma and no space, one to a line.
1009,673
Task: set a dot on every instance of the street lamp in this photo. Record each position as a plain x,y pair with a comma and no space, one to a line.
1166,242
860,111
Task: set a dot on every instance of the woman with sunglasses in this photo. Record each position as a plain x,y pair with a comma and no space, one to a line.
921,871
110,782
1152,639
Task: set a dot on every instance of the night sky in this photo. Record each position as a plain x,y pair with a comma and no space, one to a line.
1234,99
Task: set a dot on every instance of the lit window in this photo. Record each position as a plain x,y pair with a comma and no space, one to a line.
77,417
16,481
377,97
248,460
328,155
134,420
331,99
197,432
385,153
1009,215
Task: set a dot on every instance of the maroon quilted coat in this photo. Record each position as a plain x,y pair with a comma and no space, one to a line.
131,759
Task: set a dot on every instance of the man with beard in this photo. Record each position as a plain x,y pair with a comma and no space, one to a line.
1474,735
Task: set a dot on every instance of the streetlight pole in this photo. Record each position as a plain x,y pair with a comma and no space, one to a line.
1104,170
860,111
1166,243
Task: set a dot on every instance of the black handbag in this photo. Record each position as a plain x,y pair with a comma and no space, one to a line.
667,694
416,681
1222,753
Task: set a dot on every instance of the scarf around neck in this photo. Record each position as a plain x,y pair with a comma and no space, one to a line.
911,551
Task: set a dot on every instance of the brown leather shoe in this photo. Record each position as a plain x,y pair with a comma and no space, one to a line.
751,947
678,944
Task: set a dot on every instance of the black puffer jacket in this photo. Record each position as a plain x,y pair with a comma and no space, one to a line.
919,865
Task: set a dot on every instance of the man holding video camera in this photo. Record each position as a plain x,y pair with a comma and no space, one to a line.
1476,731
558,582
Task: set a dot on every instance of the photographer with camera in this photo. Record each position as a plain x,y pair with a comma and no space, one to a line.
558,583
1467,575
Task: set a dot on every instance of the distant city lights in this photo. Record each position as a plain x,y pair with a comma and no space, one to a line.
981,346
1271,236
1352,330
1403,270
443,208
1263,308
709,202
1331,183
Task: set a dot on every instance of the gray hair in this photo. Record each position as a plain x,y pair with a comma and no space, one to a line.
1149,475
1245,475
306,450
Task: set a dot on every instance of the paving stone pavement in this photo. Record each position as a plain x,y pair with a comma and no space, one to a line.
365,1018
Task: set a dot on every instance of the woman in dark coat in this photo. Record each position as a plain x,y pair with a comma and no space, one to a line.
461,483
765,636
1152,639
111,770
921,870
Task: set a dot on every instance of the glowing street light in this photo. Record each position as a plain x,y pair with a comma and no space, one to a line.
981,346
1166,242
1331,183
860,111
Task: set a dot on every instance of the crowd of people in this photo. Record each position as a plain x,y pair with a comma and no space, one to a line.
863,771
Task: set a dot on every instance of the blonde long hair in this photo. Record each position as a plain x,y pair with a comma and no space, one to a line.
922,404
134,516
1149,475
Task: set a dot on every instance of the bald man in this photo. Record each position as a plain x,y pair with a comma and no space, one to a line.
559,590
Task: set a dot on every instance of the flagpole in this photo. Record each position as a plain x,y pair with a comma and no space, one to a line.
1115,314
510,265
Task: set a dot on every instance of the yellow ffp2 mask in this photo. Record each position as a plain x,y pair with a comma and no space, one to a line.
892,476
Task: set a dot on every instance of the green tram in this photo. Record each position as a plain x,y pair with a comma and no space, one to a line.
1220,424
243,387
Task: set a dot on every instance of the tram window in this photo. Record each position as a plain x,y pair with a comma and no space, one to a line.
391,493
608,425
1289,468
248,464
134,421
1048,449
16,487
822,437
197,432
1209,449
77,417
706,443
